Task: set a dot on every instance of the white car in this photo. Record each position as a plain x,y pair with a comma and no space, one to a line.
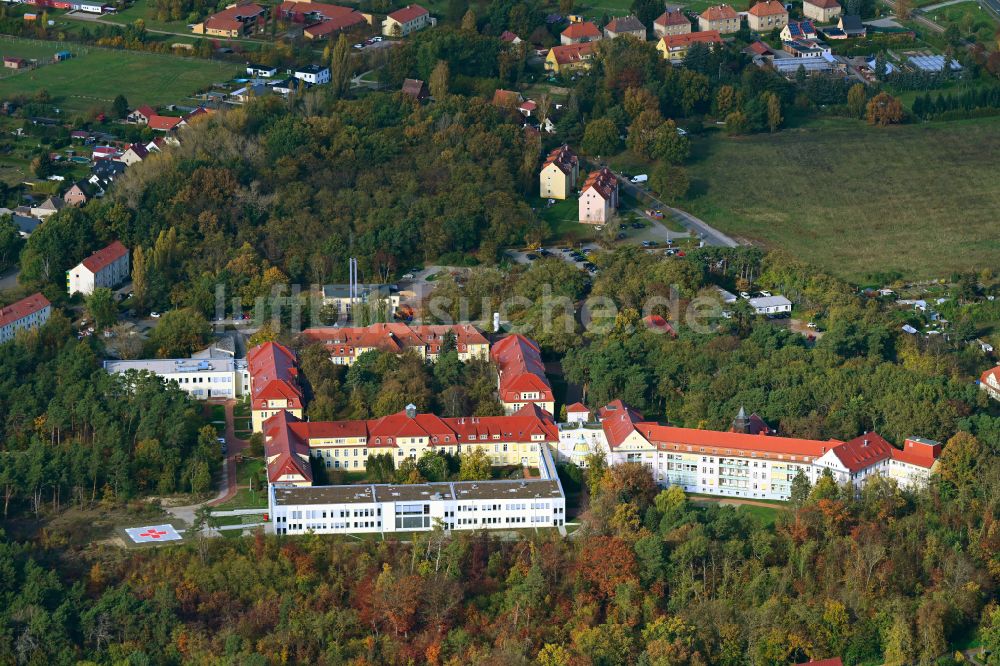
359,46
407,276
765,294
154,315
811,324
376,39
744,295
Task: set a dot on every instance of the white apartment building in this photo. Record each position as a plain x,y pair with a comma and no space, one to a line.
108,267
23,315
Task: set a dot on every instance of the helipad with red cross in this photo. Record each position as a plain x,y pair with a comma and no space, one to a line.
153,534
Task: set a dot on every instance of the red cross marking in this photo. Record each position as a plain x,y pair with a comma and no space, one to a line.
153,533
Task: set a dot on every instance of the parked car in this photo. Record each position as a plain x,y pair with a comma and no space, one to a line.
811,324
359,46
744,295
765,294
531,256
407,276
637,225
154,315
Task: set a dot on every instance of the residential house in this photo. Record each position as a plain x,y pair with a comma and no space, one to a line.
104,172
286,86
599,197
506,99
50,206
313,74
577,413
672,22
770,305
12,62
165,124
79,193
569,57
675,47
823,11
261,71
758,48
521,376
234,21
628,25
990,382
23,315
795,30
103,153
416,89
249,92
852,26
274,383
509,38
108,267
403,21
580,33
26,224
806,48
767,15
346,343
134,154
721,18
559,174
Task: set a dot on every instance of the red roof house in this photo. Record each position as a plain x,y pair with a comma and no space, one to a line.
521,374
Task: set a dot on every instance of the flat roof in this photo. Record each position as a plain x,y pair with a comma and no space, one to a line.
173,366
519,489
767,301
418,492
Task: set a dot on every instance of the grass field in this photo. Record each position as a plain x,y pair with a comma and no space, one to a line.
919,199
970,18
96,76
140,9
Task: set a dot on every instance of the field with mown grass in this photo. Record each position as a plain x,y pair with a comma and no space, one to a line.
852,199
93,77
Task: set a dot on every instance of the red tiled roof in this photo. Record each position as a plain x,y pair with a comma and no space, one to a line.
834,661
719,13
563,157
705,36
22,308
577,408
672,17
768,8
105,257
334,25
503,97
992,372
273,376
290,7
163,123
570,53
657,323
824,4
286,452
146,110
863,451
385,432
581,30
408,13
760,48
233,18
528,105
395,338
519,362
508,36
732,443
603,181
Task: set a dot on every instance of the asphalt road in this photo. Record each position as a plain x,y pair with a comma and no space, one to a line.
698,228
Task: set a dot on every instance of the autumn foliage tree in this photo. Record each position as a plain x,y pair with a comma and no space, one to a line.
884,109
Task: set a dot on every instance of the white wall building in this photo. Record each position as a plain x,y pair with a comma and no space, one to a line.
388,508
202,378
23,315
770,305
108,267
313,74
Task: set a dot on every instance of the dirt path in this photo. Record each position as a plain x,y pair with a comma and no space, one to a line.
736,501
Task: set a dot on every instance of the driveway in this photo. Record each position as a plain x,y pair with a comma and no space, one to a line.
698,228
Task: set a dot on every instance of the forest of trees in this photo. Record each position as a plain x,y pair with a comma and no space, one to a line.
72,434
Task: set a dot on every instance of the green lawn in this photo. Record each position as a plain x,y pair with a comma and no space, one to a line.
970,18
96,76
30,49
918,199
563,219
140,9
